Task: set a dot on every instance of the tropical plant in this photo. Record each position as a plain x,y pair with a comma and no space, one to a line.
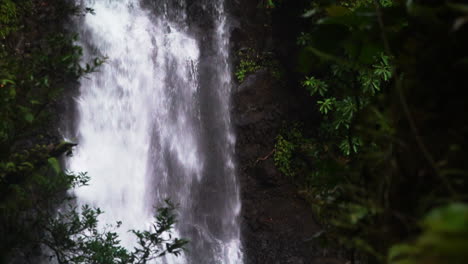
390,143
38,60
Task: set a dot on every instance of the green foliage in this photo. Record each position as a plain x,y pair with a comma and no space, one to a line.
246,67
71,235
315,86
288,148
354,4
270,4
8,18
351,145
283,155
74,237
251,62
391,144
326,105
154,243
353,89
443,239
30,84
37,61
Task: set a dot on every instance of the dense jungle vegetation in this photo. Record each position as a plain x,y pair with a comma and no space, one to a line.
38,59
384,167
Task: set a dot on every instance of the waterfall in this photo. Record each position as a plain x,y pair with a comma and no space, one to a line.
154,122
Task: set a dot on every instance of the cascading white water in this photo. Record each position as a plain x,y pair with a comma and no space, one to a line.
154,123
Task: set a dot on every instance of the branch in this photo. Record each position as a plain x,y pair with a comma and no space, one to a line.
266,157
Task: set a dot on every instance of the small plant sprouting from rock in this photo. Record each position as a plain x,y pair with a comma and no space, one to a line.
251,61
246,66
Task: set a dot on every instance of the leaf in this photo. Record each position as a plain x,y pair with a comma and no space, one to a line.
27,164
310,13
29,117
451,219
53,162
10,165
66,58
315,86
326,105
46,81
6,81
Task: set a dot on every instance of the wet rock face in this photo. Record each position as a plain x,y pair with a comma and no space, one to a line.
277,224
249,25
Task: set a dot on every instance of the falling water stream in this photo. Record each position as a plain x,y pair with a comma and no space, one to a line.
154,122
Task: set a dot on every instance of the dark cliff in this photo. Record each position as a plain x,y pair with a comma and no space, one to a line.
277,224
